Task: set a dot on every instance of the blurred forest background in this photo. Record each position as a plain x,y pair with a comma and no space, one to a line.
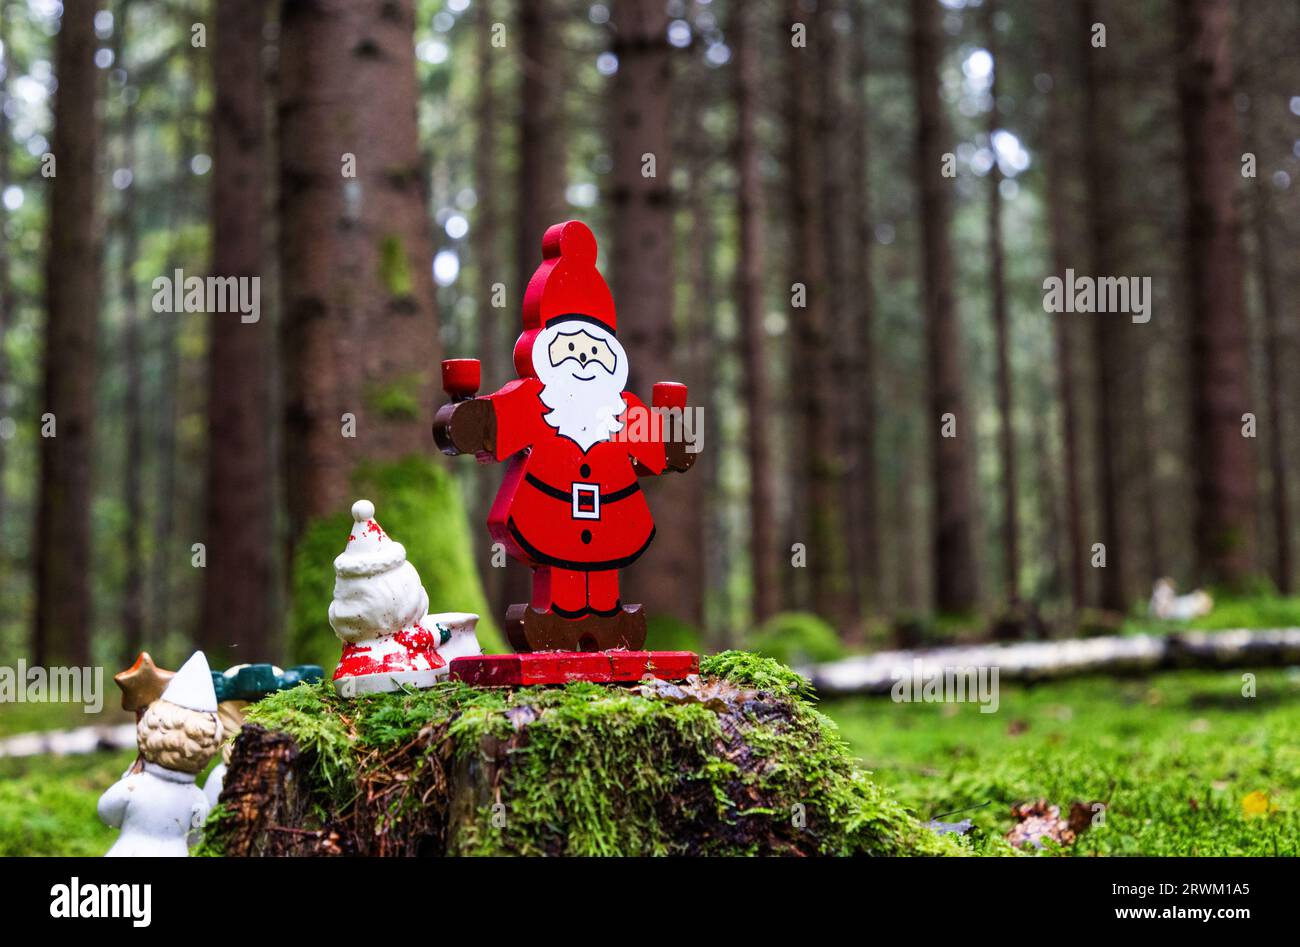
853,208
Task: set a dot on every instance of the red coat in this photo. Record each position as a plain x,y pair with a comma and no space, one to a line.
562,506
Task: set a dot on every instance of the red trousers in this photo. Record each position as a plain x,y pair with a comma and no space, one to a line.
572,594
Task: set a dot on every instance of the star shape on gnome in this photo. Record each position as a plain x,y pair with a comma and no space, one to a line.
142,683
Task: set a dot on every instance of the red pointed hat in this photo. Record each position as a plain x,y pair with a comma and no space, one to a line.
566,285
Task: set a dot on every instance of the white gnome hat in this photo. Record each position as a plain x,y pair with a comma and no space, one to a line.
192,686
370,551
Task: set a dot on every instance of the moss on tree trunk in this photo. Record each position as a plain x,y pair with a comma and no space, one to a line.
736,762
420,506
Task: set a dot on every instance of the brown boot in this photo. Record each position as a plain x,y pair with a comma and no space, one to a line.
632,627
531,630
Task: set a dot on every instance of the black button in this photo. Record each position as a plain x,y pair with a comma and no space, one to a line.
584,470
586,535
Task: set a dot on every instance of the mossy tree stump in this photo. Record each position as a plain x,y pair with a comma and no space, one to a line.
735,762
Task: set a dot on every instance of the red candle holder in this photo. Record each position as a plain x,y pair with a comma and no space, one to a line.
461,378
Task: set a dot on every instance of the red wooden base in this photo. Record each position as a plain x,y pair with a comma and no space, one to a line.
561,667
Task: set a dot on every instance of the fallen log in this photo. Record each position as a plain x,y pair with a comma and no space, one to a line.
1053,660
734,761
65,742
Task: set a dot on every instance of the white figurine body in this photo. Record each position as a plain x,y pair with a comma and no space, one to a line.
156,809
158,805
381,613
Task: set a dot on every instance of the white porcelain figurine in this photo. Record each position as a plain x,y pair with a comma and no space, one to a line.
380,611
157,804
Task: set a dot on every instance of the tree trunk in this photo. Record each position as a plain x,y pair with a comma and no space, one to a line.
751,269
836,584
547,771
955,573
1001,332
1059,213
236,619
667,578
1220,355
712,543
1275,340
1109,351
168,397
491,337
133,617
494,338
63,534
540,189
860,477
815,455
541,125
1055,660
360,319
7,296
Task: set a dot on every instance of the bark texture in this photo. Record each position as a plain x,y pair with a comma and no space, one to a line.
63,537
750,270
1064,331
642,268
360,319
955,575
815,438
236,617
1108,346
1001,331
861,482
1225,525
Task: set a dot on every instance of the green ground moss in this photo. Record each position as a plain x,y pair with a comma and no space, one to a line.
597,770
48,803
419,504
1174,757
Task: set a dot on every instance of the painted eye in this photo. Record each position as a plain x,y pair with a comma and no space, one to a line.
570,346
593,350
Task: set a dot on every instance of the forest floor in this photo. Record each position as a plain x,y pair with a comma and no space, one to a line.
1184,762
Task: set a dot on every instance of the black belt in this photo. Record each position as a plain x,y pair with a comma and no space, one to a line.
567,495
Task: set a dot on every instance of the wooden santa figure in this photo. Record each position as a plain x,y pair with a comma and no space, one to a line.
575,445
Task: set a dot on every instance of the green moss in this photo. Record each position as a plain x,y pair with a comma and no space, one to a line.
420,505
1173,757
394,269
398,399
218,817
798,638
588,769
746,669
48,803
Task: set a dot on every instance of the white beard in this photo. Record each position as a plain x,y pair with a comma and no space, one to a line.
586,412
370,605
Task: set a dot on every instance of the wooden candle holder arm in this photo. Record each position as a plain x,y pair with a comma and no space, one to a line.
678,457
466,427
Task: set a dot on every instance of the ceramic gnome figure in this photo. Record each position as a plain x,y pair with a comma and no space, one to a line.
380,610
157,803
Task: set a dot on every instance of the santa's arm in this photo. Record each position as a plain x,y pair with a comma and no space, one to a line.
649,442
492,427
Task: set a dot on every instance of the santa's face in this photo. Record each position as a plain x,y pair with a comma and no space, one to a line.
583,370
